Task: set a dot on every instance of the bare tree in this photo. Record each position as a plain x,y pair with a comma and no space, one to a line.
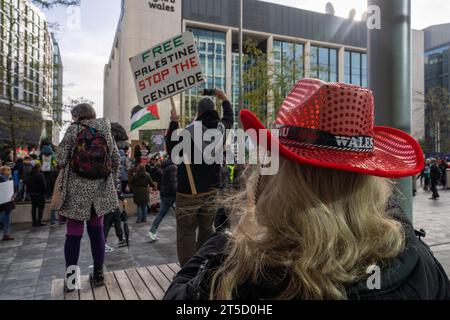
49,4
437,114
267,82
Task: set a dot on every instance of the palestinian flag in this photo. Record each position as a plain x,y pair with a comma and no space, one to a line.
140,116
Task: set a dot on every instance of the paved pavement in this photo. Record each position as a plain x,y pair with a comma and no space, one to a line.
28,264
434,217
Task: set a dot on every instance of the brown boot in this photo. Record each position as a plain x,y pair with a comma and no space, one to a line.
7,238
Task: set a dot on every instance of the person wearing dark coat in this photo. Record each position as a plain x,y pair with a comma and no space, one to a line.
23,168
443,166
153,167
169,184
196,205
137,155
141,182
113,218
435,176
47,159
19,186
37,190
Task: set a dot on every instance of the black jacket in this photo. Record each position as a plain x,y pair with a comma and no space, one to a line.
169,179
414,274
206,177
435,172
141,181
36,183
156,173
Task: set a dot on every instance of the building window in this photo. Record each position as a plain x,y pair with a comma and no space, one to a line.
235,85
212,52
355,68
324,63
288,60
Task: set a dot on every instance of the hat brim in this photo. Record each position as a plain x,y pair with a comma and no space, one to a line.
395,154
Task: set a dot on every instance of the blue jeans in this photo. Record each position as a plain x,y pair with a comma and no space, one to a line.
5,217
142,211
166,204
53,216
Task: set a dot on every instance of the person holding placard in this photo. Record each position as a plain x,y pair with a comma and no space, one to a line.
198,184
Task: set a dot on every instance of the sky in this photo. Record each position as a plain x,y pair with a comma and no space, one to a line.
86,34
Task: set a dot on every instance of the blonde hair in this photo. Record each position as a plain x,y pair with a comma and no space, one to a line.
325,227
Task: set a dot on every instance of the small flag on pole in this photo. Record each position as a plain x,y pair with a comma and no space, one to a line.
140,116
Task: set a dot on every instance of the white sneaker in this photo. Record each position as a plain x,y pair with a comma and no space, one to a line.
153,236
109,249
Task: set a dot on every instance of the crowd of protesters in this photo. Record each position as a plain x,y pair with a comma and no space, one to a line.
310,231
33,174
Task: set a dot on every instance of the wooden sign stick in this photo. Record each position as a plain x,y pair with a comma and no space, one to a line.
186,164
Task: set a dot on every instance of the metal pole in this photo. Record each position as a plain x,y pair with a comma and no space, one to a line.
241,98
389,68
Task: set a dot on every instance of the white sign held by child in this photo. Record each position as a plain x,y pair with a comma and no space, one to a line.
6,191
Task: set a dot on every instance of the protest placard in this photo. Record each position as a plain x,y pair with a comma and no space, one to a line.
167,69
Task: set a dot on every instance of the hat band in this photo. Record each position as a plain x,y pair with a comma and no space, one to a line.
302,137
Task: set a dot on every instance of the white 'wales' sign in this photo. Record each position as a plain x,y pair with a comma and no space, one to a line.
167,69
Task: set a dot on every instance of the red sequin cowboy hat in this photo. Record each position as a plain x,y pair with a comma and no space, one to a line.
330,125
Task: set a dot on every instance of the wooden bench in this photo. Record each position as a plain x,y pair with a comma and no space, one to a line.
144,283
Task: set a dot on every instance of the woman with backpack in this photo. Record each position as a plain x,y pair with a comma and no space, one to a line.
47,159
325,225
89,159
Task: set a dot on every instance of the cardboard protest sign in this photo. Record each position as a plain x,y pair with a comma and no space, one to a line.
166,69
